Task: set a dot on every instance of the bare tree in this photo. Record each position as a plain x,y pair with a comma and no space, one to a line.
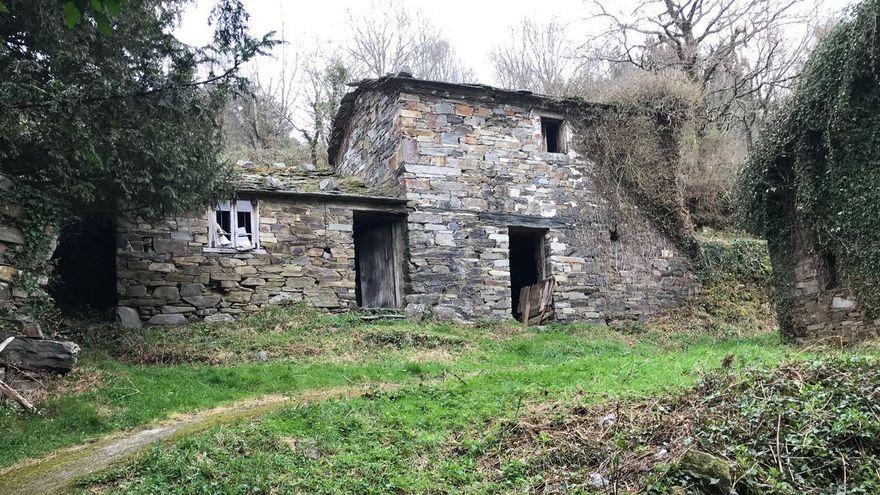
539,57
260,117
394,37
323,85
702,38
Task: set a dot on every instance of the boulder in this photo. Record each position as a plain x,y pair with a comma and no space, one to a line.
128,317
38,355
713,471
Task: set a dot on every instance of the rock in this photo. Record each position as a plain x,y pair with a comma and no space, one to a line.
168,319
714,471
128,317
328,185
270,182
38,355
7,273
416,311
308,167
136,291
191,290
261,356
244,164
597,481
842,303
219,318
285,299
11,235
29,328
253,282
169,294
607,420
203,301
178,309
280,165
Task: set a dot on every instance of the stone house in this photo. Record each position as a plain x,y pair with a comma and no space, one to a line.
468,193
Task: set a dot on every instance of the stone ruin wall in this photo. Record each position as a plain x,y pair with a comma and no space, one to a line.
13,297
167,275
820,309
370,145
470,171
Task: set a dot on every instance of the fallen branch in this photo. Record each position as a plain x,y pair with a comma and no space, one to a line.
12,394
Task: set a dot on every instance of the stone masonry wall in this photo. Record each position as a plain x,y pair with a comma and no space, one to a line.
471,170
12,297
370,147
168,276
820,308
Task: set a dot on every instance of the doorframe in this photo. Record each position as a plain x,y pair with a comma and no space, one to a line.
541,255
398,249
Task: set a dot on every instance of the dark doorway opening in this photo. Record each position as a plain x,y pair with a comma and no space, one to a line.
378,258
85,265
526,261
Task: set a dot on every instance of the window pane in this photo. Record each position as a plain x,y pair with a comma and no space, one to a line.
222,229
243,232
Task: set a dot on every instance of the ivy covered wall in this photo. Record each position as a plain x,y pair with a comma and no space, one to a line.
812,187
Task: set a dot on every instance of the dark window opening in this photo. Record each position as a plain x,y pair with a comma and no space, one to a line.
147,245
526,262
224,221
831,270
614,236
85,266
551,132
378,259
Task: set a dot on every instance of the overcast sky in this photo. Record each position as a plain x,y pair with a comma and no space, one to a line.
473,27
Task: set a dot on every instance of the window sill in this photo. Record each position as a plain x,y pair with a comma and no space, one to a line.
233,251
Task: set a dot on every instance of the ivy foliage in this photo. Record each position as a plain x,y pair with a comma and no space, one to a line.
637,142
818,164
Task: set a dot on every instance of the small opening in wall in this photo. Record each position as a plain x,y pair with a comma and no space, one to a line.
551,132
831,270
614,236
147,245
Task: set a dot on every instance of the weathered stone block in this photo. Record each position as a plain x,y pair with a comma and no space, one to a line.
167,293
128,317
205,301
167,319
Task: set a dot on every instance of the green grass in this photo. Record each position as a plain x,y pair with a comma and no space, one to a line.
429,438
458,384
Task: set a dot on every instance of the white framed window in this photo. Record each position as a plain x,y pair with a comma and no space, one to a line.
235,226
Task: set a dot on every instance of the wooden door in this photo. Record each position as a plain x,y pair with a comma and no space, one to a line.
374,243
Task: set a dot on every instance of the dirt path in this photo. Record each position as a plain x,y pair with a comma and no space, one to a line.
57,472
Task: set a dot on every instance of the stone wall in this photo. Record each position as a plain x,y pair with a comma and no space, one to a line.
13,297
370,146
168,274
822,304
471,170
